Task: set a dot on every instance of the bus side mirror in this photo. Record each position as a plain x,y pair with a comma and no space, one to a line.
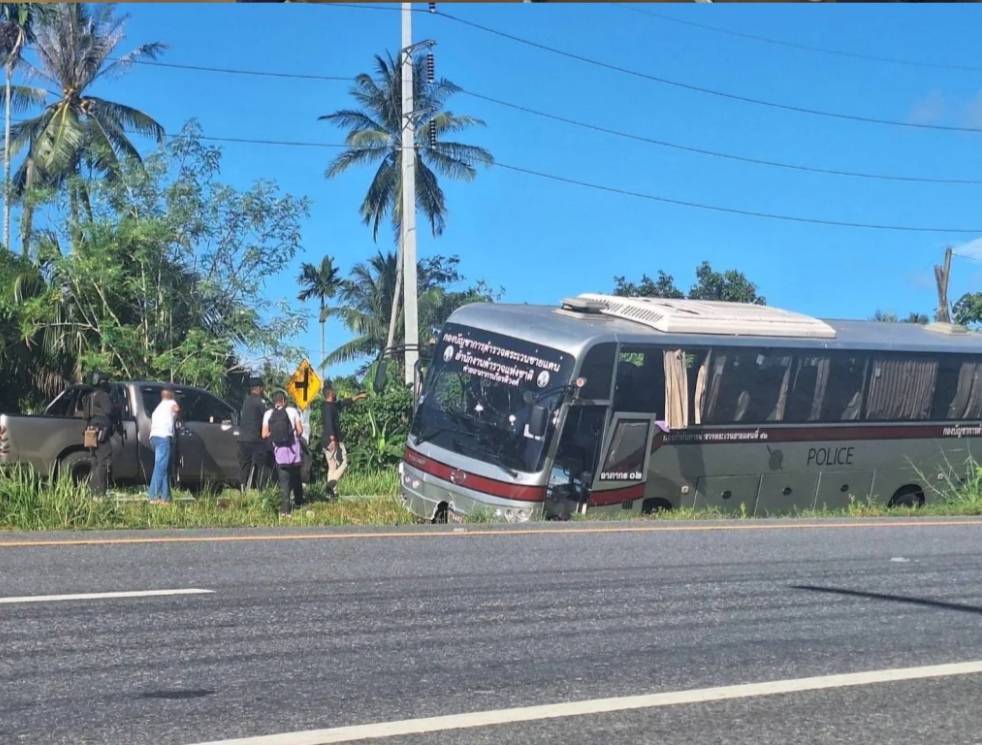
538,421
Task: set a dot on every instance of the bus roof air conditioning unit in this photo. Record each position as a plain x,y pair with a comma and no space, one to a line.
712,317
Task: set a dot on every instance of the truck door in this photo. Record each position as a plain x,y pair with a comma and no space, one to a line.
126,457
207,442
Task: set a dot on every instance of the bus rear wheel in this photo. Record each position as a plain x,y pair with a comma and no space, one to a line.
910,496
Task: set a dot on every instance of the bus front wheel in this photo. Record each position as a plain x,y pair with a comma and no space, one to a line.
910,496
651,506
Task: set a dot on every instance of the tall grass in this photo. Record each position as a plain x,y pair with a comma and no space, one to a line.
29,503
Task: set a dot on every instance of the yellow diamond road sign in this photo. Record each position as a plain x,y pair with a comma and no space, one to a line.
304,385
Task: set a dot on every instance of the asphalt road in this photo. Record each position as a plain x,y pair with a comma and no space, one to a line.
324,631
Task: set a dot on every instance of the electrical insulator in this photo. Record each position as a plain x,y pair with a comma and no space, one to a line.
432,7
430,68
432,134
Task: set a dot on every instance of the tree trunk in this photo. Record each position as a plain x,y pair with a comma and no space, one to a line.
8,74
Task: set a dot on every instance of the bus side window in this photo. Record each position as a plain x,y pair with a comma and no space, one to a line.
640,382
807,386
958,391
901,387
598,370
843,395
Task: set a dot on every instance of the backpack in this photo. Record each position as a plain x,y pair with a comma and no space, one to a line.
281,430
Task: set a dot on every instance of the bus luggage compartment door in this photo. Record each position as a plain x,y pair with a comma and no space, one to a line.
838,489
727,493
782,492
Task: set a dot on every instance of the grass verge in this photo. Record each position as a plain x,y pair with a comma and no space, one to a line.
28,503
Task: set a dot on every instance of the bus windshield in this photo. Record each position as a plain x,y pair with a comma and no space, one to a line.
480,392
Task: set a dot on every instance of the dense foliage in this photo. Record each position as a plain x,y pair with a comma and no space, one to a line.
164,281
730,285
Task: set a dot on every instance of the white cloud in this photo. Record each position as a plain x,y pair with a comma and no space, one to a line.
971,250
929,109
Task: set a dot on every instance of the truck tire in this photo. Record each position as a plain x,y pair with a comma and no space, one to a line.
77,466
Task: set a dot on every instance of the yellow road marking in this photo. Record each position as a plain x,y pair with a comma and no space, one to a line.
472,533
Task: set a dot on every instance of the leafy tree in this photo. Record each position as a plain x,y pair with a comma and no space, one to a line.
730,285
967,310
889,317
375,136
323,283
171,286
17,21
664,286
77,45
366,301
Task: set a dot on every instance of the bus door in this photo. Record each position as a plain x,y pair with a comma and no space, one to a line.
623,470
639,394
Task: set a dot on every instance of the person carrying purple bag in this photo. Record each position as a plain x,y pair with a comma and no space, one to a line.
282,429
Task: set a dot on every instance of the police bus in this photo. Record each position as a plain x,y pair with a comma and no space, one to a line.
612,403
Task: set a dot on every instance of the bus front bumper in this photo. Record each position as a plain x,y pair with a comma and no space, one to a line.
424,495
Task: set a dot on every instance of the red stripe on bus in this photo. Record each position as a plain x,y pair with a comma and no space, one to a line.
614,496
732,435
459,477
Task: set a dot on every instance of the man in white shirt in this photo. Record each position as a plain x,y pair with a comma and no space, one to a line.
162,423
283,428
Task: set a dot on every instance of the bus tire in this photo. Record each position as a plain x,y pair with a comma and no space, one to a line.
910,496
651,506
77,466
441,515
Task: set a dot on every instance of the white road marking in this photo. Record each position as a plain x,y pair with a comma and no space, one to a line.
601,706
102,596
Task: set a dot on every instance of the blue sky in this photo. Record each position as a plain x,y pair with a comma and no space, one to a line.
542,240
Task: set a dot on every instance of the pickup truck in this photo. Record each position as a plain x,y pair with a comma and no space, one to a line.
206,444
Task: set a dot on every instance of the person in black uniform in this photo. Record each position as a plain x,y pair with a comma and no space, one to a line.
99,407
253,452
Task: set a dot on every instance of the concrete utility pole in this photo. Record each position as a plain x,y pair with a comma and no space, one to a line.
410,287
942,275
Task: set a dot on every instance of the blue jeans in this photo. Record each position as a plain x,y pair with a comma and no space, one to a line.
160,481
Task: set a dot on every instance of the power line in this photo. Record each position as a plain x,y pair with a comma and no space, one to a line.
611,131
235,71
637,194
734,210
716,153
804,47
698,88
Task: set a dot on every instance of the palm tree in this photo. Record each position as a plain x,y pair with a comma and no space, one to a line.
17,22
375,136
76,47
323,283
366,302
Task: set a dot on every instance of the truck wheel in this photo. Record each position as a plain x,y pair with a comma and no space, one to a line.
77,466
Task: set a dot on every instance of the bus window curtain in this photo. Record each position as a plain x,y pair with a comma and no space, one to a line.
901,389
821,383
967,403
777,414
676,390
718,368
699,397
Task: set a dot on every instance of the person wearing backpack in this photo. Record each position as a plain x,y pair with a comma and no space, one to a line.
283,429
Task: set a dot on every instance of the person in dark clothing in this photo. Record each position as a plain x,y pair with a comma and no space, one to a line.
253,452
100,419
335,453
